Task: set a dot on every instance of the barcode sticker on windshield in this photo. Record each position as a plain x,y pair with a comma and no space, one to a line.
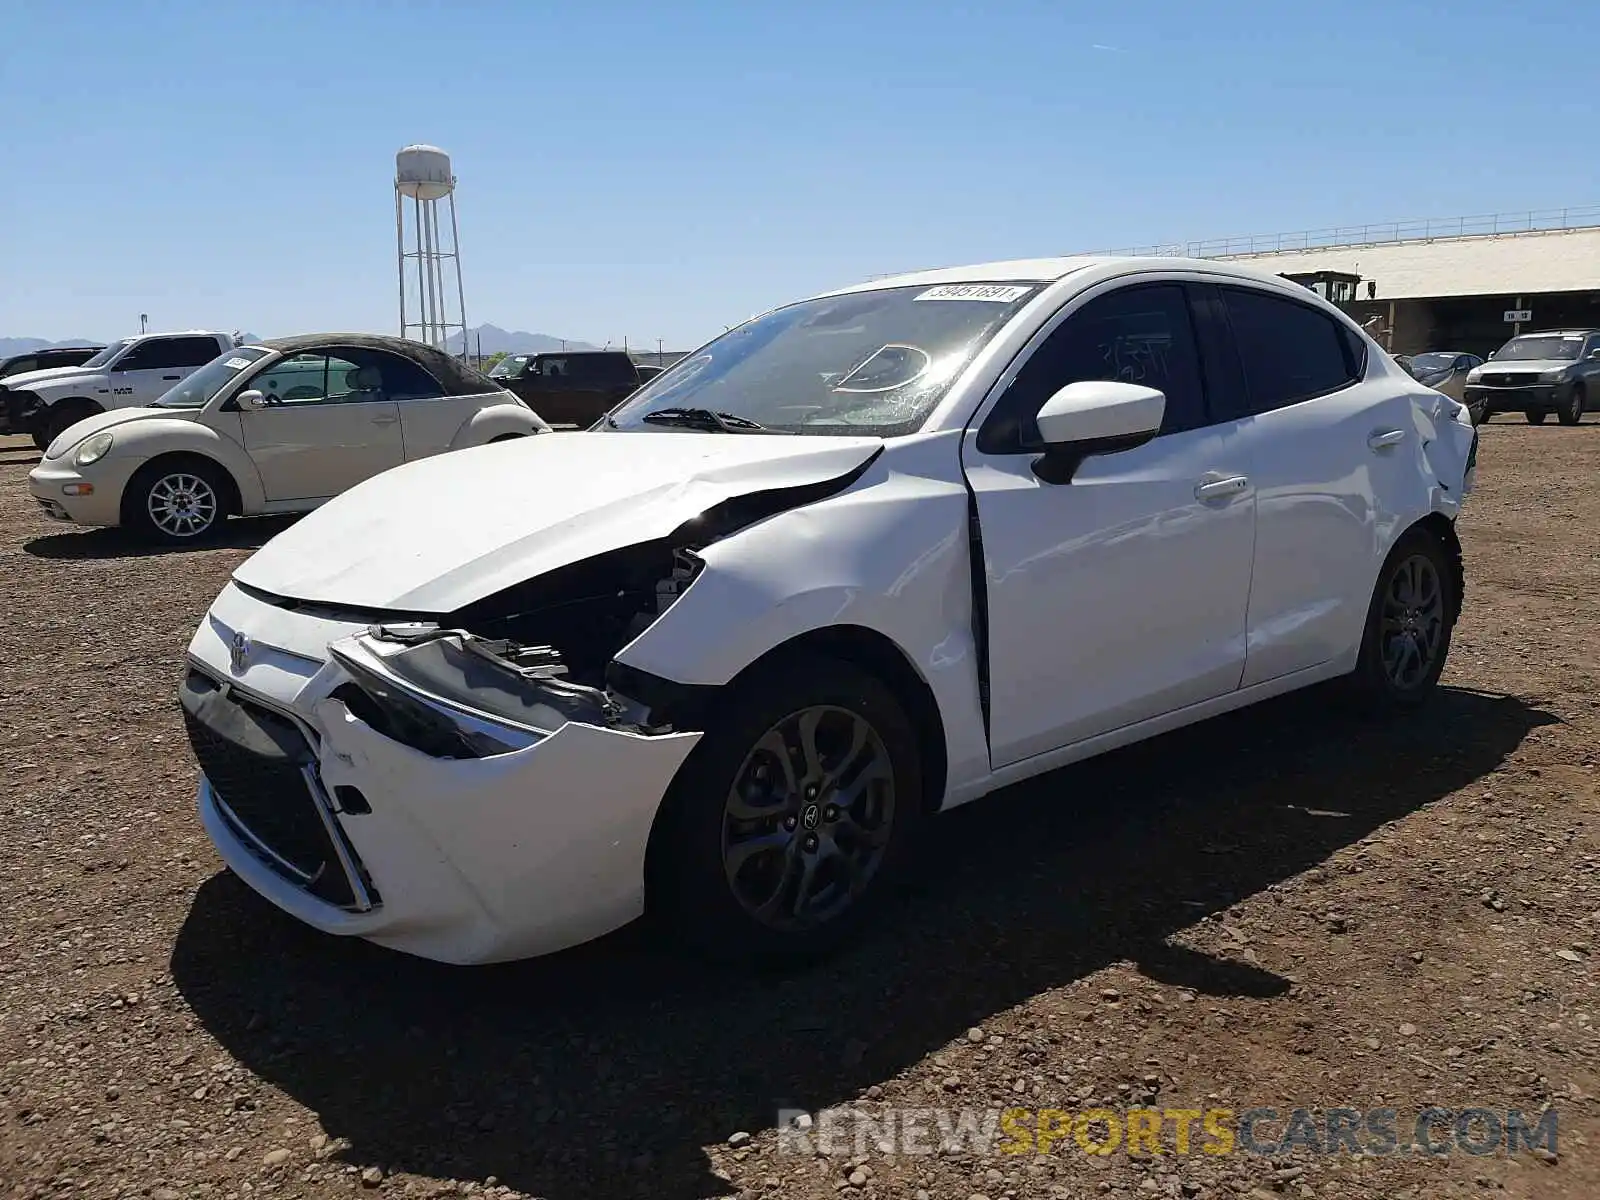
236,363
995,293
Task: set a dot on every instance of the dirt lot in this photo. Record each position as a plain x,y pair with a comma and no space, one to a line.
1280,909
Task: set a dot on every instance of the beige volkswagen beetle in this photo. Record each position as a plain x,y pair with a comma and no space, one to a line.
271,427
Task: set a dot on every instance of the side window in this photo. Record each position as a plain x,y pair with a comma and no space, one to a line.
402,378
170,353
18,365
193,351
553,367
303,379
1290,351
1141,334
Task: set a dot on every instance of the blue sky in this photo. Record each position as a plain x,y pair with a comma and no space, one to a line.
662,170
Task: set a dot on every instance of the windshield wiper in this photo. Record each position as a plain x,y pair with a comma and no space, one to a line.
704,418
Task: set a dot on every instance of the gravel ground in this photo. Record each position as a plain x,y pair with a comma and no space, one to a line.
1282,908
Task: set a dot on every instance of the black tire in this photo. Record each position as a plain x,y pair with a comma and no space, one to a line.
59,418
1537,417
1572,412
1478,411
203,483
710,903
1376,683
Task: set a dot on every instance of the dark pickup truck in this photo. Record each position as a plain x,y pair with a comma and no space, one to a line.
37,360
575,387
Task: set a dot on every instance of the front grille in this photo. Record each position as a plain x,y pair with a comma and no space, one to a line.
1511,378
255,760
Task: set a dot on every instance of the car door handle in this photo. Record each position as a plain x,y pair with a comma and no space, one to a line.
384,420
1382,441
1221,489
172,377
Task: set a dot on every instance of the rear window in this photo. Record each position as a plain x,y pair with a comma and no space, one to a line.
1290,351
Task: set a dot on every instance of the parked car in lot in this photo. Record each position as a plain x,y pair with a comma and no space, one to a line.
576,388
1537,374
30,361
862,558
1443,370
277,426
125,374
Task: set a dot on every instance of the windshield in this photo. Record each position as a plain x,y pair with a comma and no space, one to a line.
873,363
199,388
509,366
110,352
1427,364
1525,349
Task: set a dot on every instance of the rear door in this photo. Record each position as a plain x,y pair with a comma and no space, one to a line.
329,426
1334,460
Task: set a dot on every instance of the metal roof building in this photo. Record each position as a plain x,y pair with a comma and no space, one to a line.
1463,283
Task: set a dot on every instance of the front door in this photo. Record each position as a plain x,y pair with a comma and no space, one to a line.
1121,595
156,365
327,424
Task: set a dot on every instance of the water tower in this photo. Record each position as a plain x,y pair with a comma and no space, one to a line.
428,265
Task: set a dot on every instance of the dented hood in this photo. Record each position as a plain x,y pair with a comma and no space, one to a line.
443,532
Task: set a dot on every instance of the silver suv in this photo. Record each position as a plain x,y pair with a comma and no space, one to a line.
1537,374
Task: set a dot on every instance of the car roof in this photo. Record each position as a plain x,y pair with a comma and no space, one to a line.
453,375
1050,270
1556,333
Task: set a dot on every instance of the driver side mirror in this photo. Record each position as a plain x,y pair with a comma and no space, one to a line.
250,400
1594,354
1090,417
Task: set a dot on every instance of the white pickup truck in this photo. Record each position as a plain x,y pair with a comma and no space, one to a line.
127,374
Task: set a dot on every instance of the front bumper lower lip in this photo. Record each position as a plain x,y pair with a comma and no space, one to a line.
476,860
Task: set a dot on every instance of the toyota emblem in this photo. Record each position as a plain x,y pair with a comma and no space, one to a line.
239,652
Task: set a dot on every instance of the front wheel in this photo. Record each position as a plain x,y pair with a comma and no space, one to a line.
1572,412
1478,411
1409,622
1536,417
176,503
794,817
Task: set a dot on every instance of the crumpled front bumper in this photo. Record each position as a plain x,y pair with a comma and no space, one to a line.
466,860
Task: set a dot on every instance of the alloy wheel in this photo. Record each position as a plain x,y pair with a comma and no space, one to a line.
808,818
182,505
1413,621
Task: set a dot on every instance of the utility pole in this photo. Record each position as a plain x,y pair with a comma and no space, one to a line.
144,322
659,356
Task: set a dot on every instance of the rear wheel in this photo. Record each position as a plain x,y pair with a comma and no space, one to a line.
794,817
178,502
1572,412
1409,622
1536,417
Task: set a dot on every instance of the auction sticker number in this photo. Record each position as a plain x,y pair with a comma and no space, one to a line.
995,293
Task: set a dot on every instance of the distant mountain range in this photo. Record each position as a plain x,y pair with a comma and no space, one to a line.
10,346
494,340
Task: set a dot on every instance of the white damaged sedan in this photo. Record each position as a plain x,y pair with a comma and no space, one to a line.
862,558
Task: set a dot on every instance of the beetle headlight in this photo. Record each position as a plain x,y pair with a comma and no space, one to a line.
94,448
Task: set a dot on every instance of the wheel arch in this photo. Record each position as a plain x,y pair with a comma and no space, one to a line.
1443,530
232,499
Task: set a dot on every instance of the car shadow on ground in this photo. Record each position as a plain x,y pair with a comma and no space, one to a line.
238,533
604,1070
